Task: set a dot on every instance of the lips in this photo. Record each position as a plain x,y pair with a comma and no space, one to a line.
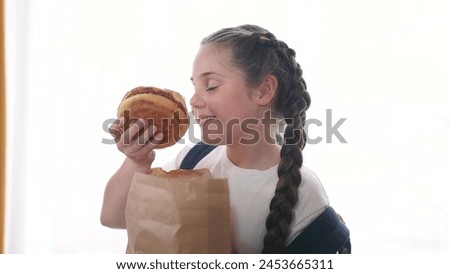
202,120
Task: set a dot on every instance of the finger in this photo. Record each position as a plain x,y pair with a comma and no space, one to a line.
131,134
151,156
116,129
157,139
152,144
147,135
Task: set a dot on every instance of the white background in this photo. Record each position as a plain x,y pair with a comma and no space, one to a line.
382,65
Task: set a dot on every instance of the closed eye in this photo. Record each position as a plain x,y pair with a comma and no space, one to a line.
211,88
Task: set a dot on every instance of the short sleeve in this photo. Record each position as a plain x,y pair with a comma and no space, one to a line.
312,201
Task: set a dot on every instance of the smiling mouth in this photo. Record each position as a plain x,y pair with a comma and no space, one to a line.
202,121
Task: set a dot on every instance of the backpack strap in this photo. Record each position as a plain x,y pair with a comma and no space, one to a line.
325,235
197,152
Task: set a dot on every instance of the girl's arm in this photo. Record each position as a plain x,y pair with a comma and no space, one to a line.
116,192
140,155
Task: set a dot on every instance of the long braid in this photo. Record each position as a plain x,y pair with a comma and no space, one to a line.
258,53
293,103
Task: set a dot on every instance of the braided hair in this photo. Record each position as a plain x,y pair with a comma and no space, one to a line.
258,53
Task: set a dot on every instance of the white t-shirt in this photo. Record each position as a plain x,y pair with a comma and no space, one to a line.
250,194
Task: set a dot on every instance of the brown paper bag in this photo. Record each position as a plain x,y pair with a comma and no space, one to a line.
178,215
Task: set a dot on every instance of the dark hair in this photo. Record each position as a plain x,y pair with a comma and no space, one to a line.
258,53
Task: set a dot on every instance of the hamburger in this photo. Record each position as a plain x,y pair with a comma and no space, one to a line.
163,108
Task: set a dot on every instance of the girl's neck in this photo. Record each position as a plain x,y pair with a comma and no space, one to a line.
257,156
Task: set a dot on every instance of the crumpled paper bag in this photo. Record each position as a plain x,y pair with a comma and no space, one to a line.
178,215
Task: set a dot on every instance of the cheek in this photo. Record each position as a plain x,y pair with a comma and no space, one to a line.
231,103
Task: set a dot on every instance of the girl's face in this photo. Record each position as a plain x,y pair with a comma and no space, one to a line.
223,104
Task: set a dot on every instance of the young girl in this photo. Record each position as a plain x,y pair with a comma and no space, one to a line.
246,83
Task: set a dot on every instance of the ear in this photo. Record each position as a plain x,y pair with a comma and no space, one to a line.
266,91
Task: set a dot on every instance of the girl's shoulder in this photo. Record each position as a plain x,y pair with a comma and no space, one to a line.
312,201
311,182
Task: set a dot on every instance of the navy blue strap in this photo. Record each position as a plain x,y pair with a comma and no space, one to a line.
198,152
325,235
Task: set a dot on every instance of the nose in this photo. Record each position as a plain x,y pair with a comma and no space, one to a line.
197,100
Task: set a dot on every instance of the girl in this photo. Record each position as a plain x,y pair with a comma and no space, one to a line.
246,81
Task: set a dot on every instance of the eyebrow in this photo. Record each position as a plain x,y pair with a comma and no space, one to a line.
208,73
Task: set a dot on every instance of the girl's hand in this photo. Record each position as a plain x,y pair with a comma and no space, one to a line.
137,142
